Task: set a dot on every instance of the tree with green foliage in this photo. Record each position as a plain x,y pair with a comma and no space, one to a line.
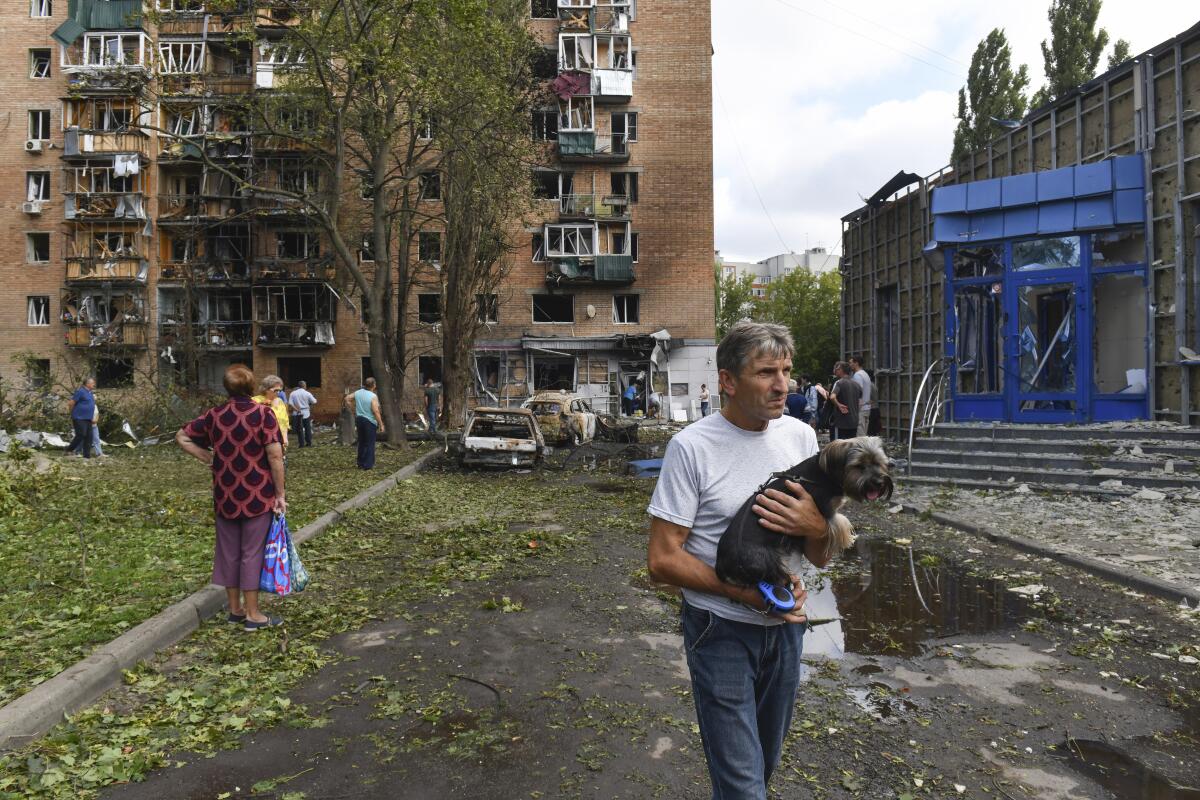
1120,54
810,305
1074,48
734,299
993,91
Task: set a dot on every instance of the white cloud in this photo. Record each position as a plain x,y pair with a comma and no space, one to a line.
824,114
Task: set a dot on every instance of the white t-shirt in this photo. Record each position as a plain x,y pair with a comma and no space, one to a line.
864,382
711,467
302,400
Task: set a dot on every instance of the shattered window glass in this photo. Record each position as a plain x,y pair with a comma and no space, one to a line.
1047,336
978,262
1119,247
1119,333
1059,252
979,338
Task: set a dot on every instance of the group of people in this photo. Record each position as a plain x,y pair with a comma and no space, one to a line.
293,410
846,409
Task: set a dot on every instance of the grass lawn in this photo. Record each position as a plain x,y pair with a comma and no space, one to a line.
115,540
432,538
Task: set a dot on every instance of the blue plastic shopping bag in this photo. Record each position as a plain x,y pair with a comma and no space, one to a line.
299,573
277,568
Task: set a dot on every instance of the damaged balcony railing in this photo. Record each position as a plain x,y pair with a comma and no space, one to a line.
592,146
204,270
104,319
225,335
594,206
106,256
307,333
82,143
104,205
315,268
181,207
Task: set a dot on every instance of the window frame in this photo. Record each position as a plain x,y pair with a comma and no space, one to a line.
425,316
30,251
44,188
887,324
626,300
534,308
430,179
533,7
30,125
421,253
43,312
46,7
487,308
33,63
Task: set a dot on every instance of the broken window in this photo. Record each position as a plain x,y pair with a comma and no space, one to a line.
544,64
41,8
624,130
113,49
625,184
576,114
429,186
182,58
625,309
570,240
38,311
295,369
538,247
298,180
429,367
612,52
1119,333
37,248
112,373
39,63
1047,342
1119,248
978,262
979,338
429,308
37,373
366,250
633,246
37,186
487,308
543,9
887,327
550,185
553,308
39,124
294,245
545,125
576,52
1060,252
429,247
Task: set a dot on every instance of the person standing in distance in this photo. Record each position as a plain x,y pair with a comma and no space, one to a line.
705,400
432,394
845,396
301,402
368,421
868,390
82,407
744,662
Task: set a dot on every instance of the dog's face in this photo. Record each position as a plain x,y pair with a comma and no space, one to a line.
860,466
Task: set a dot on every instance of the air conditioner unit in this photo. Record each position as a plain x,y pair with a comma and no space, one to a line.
33,145
32,207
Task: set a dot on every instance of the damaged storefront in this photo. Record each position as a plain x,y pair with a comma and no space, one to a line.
1051,277
600,369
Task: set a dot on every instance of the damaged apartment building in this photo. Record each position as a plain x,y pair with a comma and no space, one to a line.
1051,277
129,256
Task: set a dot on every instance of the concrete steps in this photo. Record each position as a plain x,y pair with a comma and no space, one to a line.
1117,459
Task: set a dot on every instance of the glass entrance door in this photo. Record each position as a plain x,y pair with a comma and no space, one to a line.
1048,309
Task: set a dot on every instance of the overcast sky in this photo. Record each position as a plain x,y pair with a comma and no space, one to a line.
827,99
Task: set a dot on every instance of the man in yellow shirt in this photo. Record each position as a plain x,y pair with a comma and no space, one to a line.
268,395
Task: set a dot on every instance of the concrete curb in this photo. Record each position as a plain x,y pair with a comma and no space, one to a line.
41,708
1133,580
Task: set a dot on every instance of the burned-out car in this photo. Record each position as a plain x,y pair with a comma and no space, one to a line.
501,437
564,418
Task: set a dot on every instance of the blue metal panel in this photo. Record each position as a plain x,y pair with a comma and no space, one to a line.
1094,212
1056,184
988,225
1128,172
1131,206
952,227
978,407
1019,190
950,199
1056,217
982,195
1093,179
1020,221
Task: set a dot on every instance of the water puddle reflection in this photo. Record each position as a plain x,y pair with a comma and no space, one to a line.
1120,773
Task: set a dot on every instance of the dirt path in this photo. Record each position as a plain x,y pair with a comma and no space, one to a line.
561,675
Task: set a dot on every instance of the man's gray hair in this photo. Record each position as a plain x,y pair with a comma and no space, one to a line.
270,382
747,340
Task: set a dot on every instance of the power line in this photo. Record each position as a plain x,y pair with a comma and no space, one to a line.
869,38
746,167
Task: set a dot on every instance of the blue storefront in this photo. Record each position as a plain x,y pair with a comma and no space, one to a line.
1046,293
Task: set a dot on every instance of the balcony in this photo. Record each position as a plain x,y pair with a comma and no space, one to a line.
315,268
209,271
104,319
190,208
107,61
118,269
109,336
278,14
190,147
594,206
207,84
79,143
237,335
188,18
589,146
97,206
612,270
306,333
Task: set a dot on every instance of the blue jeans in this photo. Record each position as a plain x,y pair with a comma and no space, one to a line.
744,680
366,442
431,411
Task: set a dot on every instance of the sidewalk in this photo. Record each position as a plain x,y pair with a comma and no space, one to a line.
1157,538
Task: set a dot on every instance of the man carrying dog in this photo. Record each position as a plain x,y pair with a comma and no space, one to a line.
744,663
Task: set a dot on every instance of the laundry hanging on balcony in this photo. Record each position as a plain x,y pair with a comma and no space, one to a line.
125,164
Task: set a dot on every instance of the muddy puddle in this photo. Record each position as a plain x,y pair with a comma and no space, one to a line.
1121,774
893,601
